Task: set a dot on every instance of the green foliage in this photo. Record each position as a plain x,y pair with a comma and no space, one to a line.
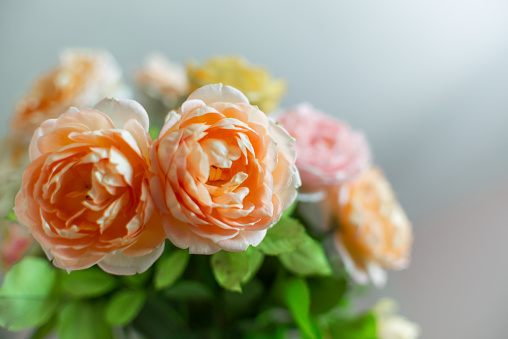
138,279
297,297
11,216
27,296
189,290
124,306
308,259
326,293
231,269
290,210
283,237
43,331
83,320
89,283
154,130
362,327
169,268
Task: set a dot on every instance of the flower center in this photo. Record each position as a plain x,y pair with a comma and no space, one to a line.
218,173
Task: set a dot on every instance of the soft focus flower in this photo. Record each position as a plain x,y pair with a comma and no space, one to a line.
14,158
255,82
85,195
329,152
393,326
16,241
82,78
374,232
224,172
163,80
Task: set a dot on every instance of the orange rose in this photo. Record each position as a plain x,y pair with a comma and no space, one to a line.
224,172
82,79
85,195
374,232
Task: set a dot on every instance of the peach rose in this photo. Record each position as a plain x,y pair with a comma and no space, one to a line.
374,232
82,78
85,195
224,172
163,80
329,152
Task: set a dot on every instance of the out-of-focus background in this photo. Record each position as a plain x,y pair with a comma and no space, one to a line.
426,80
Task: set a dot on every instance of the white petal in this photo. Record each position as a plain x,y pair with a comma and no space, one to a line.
123,110
121,264
242,241
218,93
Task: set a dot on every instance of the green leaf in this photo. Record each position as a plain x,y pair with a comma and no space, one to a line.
89,283
27,297
169,269
297,298
283,237
124,306
308,259
138,279
326,293
154,130
189,290
362,327
255,262
11,216
291,209
44,331
231,269
240,304
82,320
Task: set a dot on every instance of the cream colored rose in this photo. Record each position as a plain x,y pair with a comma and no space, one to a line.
82,78
391,325
224,172
85,195
163,80
374,232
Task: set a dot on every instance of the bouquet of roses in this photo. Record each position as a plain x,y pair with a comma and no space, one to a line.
215,220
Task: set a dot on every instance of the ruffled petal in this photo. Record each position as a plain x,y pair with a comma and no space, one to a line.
121,264
122,110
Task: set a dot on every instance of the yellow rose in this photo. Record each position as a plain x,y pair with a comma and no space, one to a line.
255,82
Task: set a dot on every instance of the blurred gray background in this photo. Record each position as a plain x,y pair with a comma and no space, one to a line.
426,80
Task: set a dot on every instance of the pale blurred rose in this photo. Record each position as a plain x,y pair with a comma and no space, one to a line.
163,80
393,326
224,172
255,82
82,78
16,241
329,151
374,232
85,195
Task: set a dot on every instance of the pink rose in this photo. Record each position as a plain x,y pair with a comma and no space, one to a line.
329,152
224,172
15,243
85,195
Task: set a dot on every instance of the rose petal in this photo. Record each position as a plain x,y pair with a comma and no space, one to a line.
121,264
218,93
122,110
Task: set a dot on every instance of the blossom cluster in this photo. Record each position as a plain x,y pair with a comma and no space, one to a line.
98,178
99,190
